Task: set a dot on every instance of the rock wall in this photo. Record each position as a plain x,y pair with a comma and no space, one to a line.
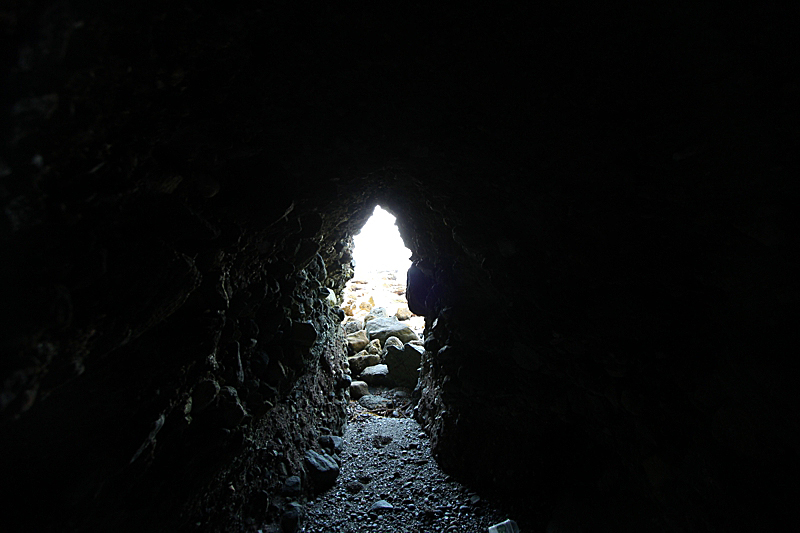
597,201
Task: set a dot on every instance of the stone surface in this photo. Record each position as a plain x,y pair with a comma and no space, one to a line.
353,487
332,443
353,326
393,350
322,470
292,517
304,334
404,365
371,401
375,375
374,346
367,305
377,312
383,328
361,361
418,285
204,394
403,313
381,506
357,341
292,486
358,389
402,473
393,341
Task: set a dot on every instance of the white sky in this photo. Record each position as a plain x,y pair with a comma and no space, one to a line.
379,246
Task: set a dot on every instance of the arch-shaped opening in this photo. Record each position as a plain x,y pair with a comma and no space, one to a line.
384,338
378,246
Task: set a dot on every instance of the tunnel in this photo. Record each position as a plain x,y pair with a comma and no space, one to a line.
597,199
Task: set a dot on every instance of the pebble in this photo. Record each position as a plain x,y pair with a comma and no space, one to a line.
381,505
385,491
292,486
353,487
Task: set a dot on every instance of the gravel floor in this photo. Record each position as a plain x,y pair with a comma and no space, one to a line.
389,482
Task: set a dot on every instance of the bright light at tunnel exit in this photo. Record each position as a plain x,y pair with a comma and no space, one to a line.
379,246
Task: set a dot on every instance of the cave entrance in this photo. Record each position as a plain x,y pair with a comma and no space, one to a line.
381,262
383,336
378,246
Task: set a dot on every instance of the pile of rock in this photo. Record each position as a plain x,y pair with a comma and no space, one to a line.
379,289
382,351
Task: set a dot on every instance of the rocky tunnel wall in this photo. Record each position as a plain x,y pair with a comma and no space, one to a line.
597,204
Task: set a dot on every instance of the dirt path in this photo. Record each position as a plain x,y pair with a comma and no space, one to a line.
390,483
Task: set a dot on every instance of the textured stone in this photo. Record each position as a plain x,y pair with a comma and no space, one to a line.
332,443
371,401
393,341
383,328
374,346
418,285
377,312
353,487
231,413
292,517
292,486
322,469
381,506
361,361
366,305
352,326
357,341
404,365
403,313
375,375
304,334
626,217
358,389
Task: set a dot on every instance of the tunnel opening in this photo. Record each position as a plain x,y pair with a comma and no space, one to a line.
379,246
383,337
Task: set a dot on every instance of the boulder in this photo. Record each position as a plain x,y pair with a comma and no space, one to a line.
353,326
378,312
291,517
383,328
357,341
375,375
367,305
393,341
332,443
403,313
392,350
371,401
374,346
292,486
322,469
362,360
358,389
404,364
